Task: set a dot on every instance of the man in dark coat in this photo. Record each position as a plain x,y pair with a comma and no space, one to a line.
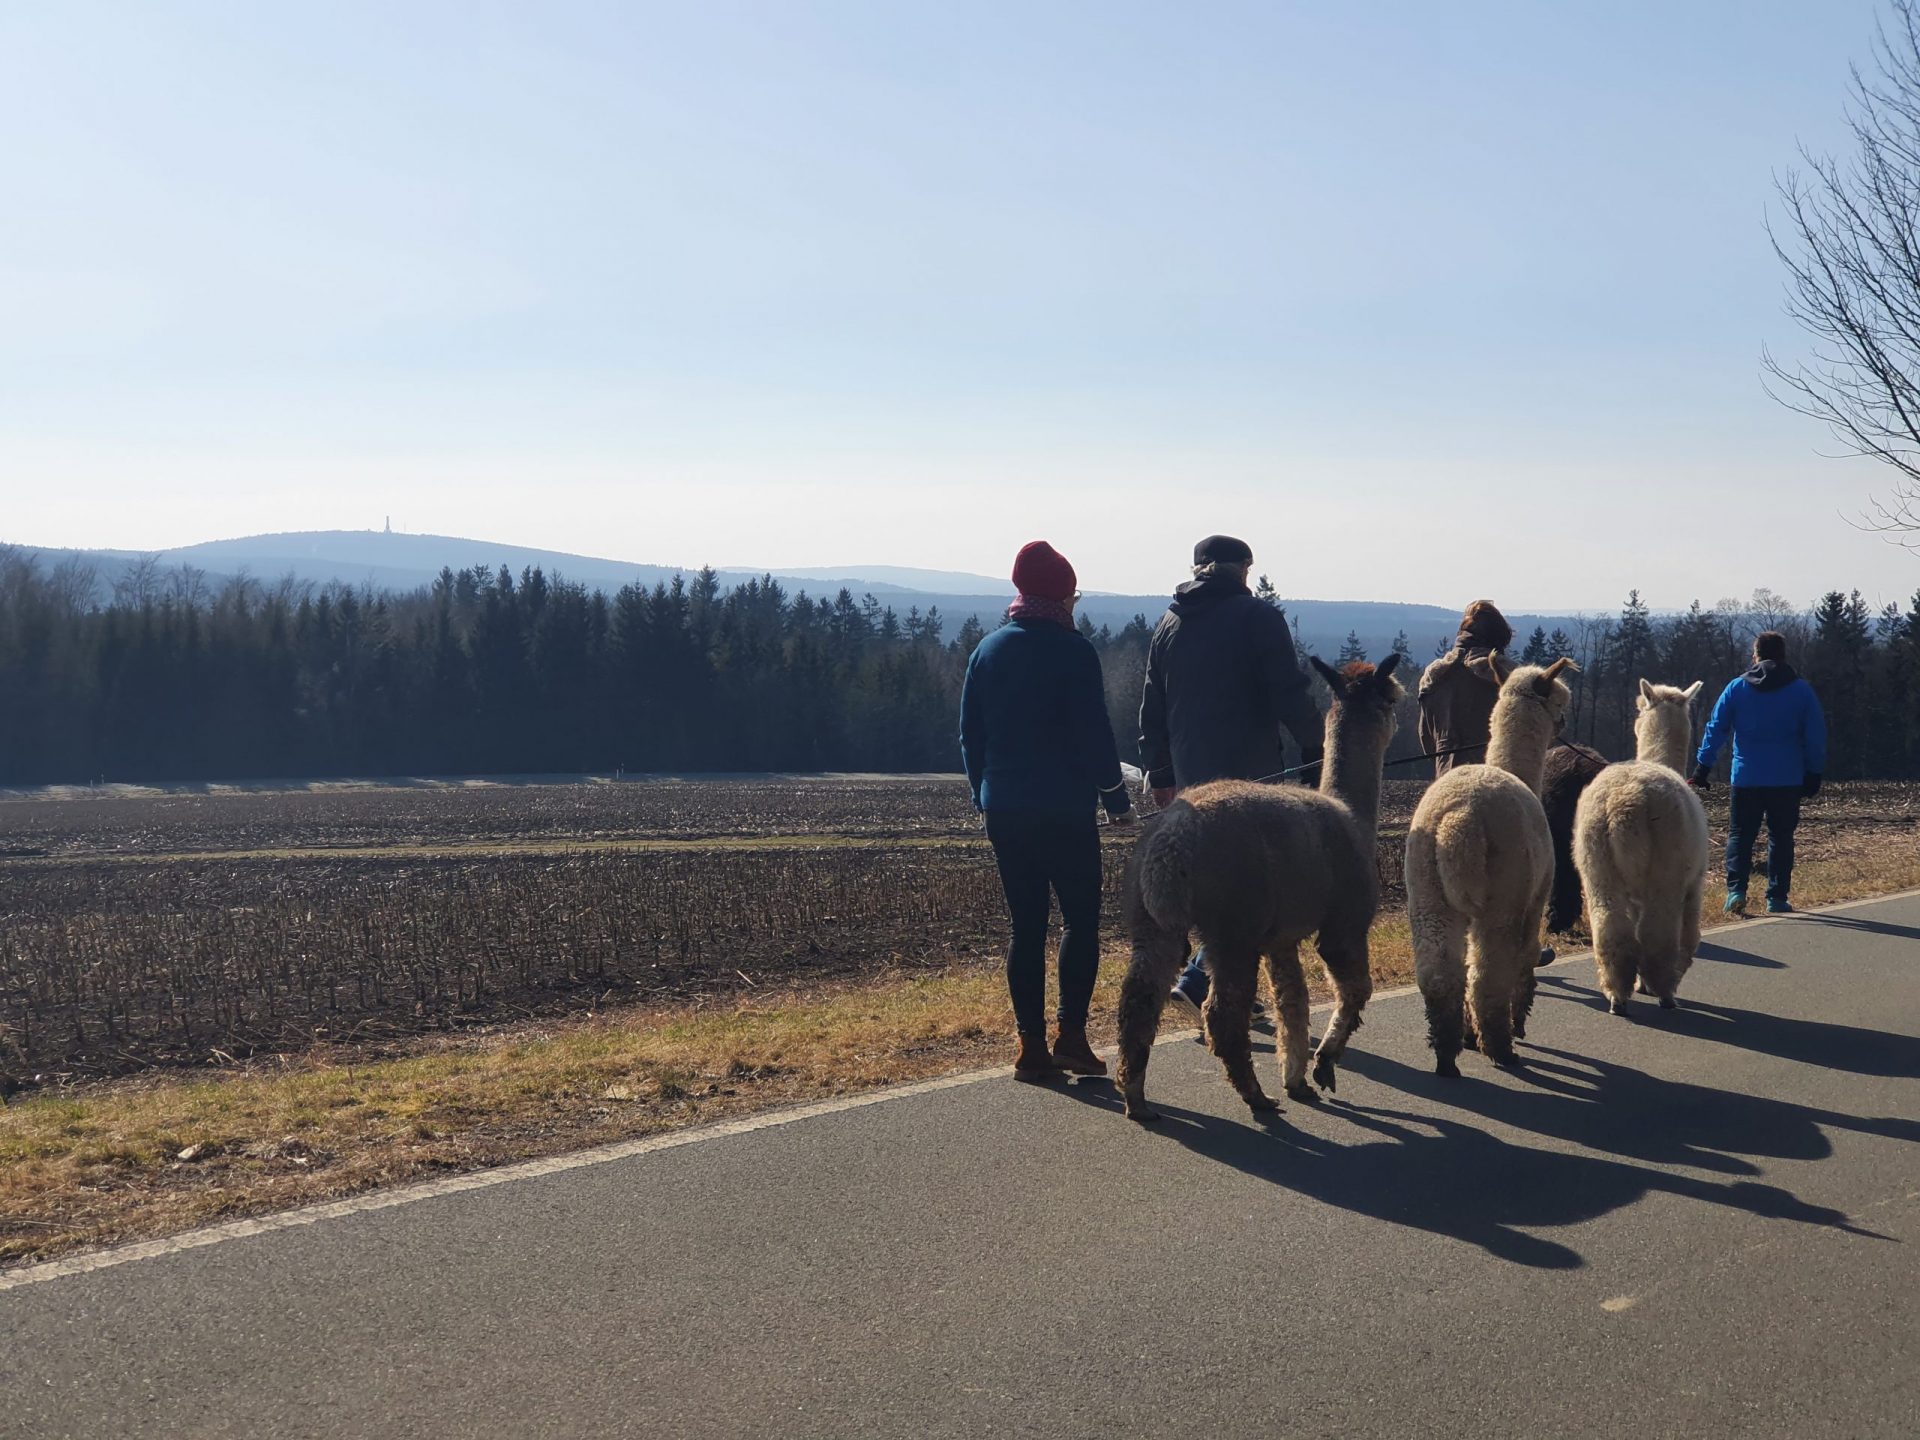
1222,683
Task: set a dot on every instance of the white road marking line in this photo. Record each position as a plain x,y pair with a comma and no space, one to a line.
621,1150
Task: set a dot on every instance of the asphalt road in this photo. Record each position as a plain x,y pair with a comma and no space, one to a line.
1699,1223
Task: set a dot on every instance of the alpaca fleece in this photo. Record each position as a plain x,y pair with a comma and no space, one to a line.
1640,841
1479,867
1257,870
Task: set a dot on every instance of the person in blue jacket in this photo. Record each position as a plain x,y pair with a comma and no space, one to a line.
1040,759
1779,753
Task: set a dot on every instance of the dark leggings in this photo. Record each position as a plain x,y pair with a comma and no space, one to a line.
1779,806
1041,857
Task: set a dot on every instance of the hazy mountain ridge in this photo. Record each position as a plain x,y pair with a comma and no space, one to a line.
407,562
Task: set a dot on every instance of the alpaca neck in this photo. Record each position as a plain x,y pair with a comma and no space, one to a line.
1351,773
1521,736
1664,745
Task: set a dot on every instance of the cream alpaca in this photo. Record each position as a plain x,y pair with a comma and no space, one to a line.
1640,840
1256,870
1479,868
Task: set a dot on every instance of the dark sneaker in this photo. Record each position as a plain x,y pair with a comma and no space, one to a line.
1546,956
1736,902
1780,907
1184,1005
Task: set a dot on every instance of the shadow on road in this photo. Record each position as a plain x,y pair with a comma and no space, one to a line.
1849,922
1730,956
1606,1106
1849,1048
1448,1177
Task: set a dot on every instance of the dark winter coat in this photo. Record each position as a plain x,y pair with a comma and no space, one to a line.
1778,730
1222,680
1457,695
1034,734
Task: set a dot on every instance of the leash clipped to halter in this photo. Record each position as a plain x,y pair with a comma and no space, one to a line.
1405,760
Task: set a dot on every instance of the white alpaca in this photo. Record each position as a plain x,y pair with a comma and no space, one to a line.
1479,869
1640,840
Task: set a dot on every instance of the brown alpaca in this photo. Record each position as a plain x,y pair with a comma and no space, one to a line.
1570,769
1256,870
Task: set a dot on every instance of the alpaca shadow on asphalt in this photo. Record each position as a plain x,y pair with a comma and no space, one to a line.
1852,1049
1446,1177
1604,1106
1727,955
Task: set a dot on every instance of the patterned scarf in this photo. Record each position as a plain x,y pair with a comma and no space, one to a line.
1032,607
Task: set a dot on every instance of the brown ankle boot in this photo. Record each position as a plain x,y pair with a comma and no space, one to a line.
1072,1053
1032,1062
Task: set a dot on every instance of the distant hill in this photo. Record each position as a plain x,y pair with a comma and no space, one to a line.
903,577
407,562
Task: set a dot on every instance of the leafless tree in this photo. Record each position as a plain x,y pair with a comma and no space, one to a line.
1850,241
139,585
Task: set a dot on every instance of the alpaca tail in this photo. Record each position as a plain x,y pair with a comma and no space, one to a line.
1163,870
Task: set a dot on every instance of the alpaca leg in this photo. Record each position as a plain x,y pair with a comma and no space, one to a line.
1157,957
1289,983
1615,953
1440,966
1229,1014
1689,927
1523,997
1492,990
1349,968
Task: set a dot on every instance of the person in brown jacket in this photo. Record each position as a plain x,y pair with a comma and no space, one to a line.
1458,690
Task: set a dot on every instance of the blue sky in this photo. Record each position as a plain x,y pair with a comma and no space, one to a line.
1425,301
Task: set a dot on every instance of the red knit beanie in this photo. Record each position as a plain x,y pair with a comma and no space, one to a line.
1043,572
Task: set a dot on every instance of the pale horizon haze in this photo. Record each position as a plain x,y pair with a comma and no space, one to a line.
1424,302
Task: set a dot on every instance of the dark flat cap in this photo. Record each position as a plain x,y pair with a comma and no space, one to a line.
1222,550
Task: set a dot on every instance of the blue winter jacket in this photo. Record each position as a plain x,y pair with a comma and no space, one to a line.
1034,732
1774,718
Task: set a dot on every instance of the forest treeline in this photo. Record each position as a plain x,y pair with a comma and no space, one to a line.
487,673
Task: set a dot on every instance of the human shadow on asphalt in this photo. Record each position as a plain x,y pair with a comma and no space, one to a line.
1727,955
1849,1048
1451,1178
1606,1106
1851,922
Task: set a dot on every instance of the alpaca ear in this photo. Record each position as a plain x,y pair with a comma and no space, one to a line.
1693,690
1387,666
1564,663
1328,674
1646,692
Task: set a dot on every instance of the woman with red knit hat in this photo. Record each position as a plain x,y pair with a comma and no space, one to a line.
1039,755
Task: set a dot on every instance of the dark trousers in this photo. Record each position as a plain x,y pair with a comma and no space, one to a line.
1779,807
1041,857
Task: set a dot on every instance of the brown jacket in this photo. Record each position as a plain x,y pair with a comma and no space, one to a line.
1456,704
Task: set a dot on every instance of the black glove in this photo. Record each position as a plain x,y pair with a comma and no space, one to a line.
1702,777
1810,785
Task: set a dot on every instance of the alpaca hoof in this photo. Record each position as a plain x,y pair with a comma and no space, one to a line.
1616,1007
1446,1069
1303,1092
1506,1061
1667,1002
1141,1112
1469,1041
1323,1073
1262,1103
1519,1032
